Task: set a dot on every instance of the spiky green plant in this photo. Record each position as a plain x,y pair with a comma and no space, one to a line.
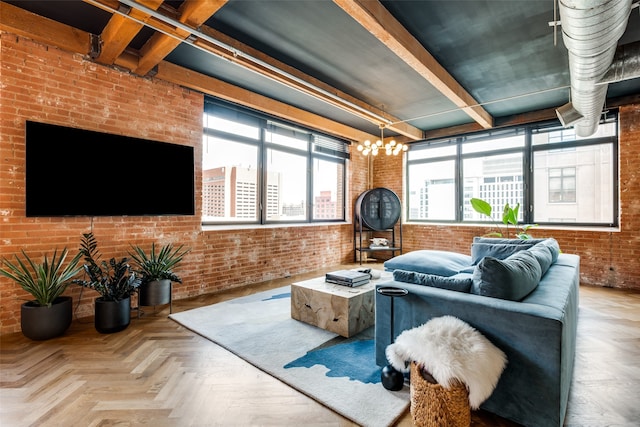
45,281
158,265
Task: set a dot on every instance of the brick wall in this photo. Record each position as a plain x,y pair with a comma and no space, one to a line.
46,84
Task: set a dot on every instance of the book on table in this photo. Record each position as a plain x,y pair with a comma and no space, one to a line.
348,278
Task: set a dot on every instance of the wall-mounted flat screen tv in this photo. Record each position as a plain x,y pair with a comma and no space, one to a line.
76,172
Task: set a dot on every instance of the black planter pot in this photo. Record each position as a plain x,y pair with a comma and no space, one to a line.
112,316
157,292
42,323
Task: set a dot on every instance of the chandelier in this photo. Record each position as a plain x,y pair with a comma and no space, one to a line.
390,148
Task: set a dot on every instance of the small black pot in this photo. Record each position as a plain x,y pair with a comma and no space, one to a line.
42,322
157,292
112,316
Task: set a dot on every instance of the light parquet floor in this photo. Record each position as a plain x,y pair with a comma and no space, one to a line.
158,373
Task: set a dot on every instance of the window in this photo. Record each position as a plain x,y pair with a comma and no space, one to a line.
259,170
555,176
562,185
432,191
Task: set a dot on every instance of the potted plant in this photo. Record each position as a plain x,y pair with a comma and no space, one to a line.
114,280
156,270
49,314
509,216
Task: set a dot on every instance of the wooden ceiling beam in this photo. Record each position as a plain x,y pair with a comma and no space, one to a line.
193,13
18,21
265,65
374,17
297,80
23,23
209,85
120,30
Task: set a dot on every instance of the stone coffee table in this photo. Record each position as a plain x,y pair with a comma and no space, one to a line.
336,308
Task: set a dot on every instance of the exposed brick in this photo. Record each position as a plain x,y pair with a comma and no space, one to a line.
47,84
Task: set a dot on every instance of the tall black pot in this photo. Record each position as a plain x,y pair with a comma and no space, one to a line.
42,322
112,316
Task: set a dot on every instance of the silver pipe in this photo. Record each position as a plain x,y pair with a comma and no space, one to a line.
625,65
590,31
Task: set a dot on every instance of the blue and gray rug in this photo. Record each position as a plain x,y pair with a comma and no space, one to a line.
340,373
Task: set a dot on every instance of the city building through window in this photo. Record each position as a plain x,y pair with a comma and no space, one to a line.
555,176
260,170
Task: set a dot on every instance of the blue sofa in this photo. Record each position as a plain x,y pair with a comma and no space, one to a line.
528,309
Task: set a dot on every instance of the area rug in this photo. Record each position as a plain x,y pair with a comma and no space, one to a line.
338,372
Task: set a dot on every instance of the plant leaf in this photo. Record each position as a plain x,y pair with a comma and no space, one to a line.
481,206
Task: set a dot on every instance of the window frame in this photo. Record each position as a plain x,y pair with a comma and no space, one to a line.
528,150
318,146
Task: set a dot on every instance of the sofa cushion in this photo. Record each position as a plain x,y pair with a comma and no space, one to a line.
498,248
441,263
495,250
513,278
543,256
458,282
501,241
553,246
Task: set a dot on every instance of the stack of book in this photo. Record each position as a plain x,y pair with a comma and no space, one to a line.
348,278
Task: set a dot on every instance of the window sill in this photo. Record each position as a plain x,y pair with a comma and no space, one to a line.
226,227
603,229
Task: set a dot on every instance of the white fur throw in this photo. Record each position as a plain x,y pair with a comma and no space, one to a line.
449,349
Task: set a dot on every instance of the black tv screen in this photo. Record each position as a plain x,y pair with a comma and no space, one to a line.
76,172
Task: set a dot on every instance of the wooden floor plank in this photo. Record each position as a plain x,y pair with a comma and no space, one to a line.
158,373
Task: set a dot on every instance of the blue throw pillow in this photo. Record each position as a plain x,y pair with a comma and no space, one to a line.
495,250
442,263
553,246
458,282
543,256
502,241
513,278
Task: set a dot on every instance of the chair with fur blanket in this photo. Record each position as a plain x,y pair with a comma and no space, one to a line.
451,352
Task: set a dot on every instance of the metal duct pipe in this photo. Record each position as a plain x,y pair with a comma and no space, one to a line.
590,31
626,64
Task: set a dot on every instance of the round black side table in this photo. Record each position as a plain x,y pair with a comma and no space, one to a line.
391,378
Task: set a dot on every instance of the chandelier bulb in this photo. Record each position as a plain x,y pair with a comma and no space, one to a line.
390,148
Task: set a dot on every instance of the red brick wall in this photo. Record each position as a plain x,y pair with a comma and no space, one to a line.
46,84
608,258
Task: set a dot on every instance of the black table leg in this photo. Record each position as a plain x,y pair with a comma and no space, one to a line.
391,378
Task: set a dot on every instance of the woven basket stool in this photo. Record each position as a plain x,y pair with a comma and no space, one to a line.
433,405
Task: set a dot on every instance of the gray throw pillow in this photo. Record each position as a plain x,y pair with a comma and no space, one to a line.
513,278
458,282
